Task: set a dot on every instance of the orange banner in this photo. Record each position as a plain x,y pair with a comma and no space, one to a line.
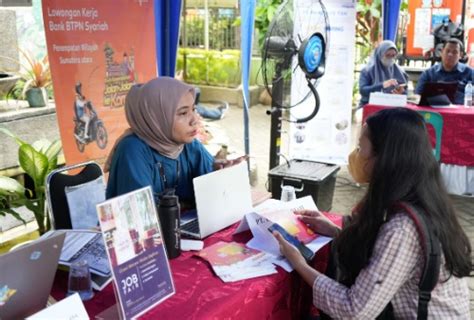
423,16
97,50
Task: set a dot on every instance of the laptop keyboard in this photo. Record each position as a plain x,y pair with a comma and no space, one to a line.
192,226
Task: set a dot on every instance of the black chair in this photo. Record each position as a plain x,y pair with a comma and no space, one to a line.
57,181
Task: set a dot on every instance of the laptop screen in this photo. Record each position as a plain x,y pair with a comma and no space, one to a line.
438,93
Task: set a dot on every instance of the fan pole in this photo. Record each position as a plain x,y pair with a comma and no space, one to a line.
275,121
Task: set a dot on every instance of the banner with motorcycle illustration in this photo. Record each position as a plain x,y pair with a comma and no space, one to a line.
97,50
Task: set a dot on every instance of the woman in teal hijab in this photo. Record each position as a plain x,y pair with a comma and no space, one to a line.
160,149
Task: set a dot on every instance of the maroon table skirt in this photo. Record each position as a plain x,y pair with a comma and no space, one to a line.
202,295
457,141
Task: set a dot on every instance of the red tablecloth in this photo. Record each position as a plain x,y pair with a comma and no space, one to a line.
457,141
202,295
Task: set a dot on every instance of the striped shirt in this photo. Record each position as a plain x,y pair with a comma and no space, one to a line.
393,274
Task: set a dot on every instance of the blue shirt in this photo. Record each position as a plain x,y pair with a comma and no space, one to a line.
136,165
462,74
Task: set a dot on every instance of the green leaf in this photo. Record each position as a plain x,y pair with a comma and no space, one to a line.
361,7
271,12
9,186
3,212
34,163
11,134
41,145
237,22
375,12
53,151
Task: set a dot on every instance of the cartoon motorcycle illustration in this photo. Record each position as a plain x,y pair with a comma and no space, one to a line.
87,125
96,132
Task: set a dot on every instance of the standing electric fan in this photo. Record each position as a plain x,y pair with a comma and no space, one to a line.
288,50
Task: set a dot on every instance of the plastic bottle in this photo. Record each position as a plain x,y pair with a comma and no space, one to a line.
168,212
468,95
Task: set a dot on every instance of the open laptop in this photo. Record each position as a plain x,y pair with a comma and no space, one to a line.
438,94
26,277
223,197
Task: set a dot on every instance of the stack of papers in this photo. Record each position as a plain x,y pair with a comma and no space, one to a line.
388,99
232,261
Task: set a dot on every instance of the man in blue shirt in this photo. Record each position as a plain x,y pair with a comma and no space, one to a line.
449,70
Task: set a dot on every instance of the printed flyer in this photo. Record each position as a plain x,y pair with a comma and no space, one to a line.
136,252
97,50
232,261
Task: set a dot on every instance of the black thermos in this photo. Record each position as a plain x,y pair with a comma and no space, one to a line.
168,212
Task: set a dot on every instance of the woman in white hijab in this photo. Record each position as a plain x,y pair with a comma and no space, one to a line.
382,74
160,148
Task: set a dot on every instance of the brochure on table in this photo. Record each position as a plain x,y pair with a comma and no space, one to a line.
275,211
140,268
232,261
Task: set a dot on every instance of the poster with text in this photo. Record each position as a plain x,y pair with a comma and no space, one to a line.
327,137
136,252
97,50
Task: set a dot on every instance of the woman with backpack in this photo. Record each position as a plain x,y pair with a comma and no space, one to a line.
381,254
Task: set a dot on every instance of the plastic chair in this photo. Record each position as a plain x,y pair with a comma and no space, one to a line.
57,182
436,120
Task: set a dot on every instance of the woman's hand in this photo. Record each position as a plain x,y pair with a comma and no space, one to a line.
318,222
296,259
390,83
225,163
399,89
289,251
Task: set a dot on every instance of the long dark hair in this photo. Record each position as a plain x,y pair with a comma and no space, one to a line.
404,170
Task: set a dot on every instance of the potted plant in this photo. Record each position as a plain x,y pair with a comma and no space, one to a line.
35,79
37,160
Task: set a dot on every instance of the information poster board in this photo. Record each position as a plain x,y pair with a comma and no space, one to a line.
97,50
327,137
424,16
135,247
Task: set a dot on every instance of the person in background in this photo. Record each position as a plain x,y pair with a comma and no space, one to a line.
449,70
380,254
160,148
205,112
382,73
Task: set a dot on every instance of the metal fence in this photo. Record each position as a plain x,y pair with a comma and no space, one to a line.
223,32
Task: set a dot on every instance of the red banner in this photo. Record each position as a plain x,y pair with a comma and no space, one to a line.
97,50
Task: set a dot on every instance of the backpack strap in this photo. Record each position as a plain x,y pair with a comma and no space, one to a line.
432,252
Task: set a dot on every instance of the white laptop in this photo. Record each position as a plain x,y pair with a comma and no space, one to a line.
26,277
223,197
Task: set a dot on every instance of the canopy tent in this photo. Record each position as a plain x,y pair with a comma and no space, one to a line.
167,14
247,25
391,10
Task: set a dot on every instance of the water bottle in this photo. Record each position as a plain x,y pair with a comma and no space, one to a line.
168,212
288,193
468,95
